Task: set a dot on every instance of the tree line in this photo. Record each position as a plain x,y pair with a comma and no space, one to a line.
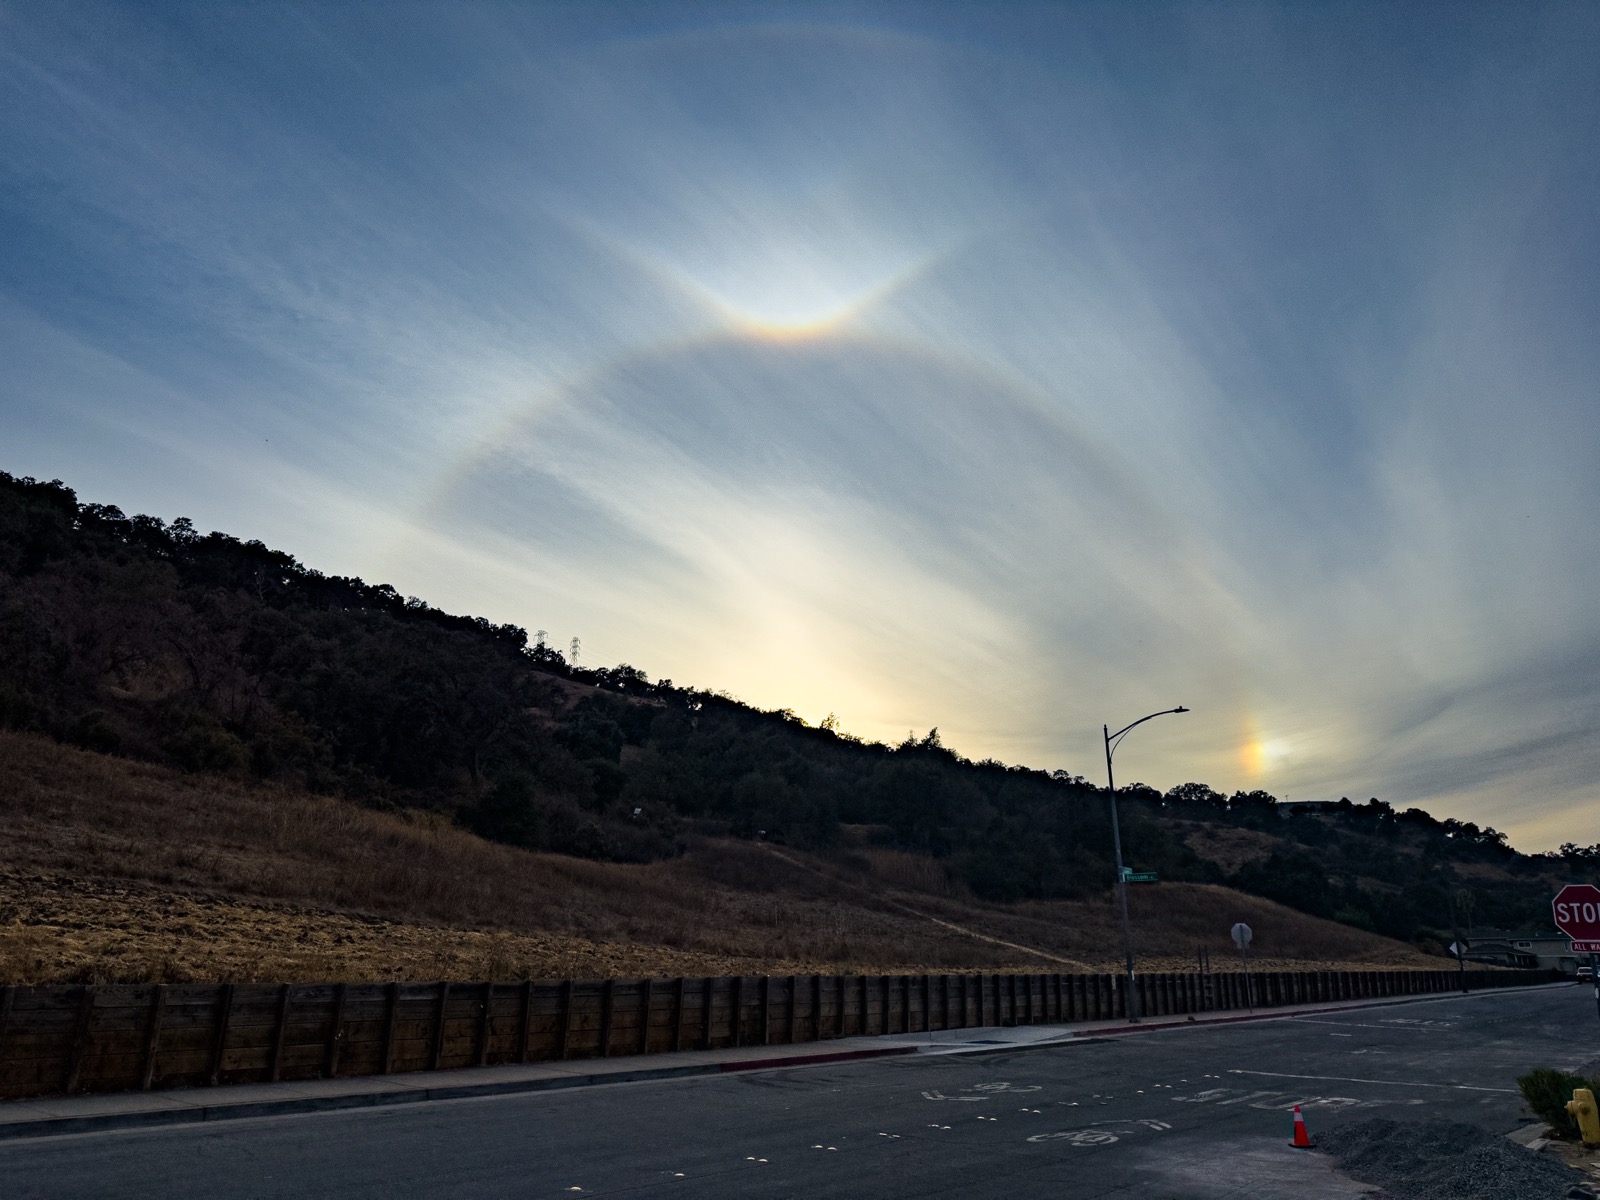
133,636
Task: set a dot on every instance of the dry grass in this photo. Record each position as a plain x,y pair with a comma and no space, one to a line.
116,870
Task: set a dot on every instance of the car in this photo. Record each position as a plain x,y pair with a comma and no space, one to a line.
1585,974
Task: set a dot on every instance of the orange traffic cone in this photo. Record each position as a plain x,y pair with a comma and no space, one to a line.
1302,1140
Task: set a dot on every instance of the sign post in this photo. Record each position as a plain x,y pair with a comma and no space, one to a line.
1577,913
1460,952
1241,938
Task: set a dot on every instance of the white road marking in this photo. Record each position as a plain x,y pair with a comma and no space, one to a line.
1098,1135
1283,1101
986,1091
1078,1137
1446,1087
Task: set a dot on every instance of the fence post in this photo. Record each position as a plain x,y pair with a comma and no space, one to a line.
645,989
152,1037
219,1044
335,1031
816,1008
677,1014
391,1013
607,992
7,995
280,1033
564,1032
437,1056
794,1004
80,1038
738,1003
486,1002
525,1021
705,1018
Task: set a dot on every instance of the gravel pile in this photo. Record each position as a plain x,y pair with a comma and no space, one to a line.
1445,1160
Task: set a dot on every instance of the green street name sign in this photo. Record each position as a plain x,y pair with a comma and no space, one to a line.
1129,875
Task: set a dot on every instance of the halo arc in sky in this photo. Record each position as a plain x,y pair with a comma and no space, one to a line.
1005,369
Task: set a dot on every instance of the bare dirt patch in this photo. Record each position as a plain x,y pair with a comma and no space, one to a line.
1231,848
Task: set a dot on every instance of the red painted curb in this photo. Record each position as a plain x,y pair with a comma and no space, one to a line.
804,1060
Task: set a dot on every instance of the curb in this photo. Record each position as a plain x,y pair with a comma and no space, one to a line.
806,1060
1116,1031
201,1114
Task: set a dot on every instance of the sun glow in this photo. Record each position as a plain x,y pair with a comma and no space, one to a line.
1258,755
797,305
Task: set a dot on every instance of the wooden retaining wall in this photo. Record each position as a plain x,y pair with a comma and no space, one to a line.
87,1038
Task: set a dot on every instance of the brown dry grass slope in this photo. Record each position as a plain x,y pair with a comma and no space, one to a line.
120,871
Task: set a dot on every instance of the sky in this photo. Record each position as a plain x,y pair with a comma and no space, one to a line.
1007,369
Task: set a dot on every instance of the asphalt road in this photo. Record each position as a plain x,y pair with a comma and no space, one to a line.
1200,1112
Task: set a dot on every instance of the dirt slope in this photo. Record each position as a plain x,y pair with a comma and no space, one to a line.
117,870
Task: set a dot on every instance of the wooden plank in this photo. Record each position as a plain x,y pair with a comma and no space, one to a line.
152,1044
766,1010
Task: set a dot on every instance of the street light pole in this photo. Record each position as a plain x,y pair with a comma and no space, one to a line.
1112,741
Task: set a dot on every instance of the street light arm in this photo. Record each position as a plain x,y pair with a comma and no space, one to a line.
1113,738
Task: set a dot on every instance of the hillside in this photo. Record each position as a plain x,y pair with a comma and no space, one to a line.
233,664
119,871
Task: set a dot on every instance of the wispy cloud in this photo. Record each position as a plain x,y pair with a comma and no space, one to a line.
1010,372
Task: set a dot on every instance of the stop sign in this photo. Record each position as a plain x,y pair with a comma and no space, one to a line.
1577,909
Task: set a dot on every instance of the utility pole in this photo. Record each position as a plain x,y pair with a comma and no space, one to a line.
1112,741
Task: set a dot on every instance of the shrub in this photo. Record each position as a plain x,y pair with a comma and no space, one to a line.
1547,1091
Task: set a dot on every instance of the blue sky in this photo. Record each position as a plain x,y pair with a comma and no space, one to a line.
1005,369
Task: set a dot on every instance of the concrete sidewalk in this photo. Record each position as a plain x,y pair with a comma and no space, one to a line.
125,1110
